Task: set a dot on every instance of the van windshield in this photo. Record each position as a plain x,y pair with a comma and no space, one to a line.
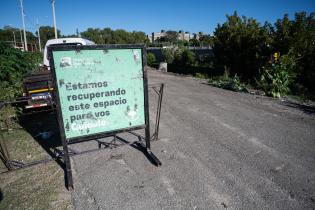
65,44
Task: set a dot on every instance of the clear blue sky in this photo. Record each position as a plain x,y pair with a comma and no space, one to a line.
147,16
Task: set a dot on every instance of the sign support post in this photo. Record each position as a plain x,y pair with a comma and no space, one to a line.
66,159
146,109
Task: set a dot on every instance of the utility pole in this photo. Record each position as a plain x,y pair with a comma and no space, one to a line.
40,47
14,39
21,38
22,11
53,9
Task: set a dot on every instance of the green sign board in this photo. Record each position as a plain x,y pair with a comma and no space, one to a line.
99,90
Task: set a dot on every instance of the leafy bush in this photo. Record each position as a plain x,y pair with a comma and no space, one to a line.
180,56
276,78
228,83
151,59
188,57
7,92
168,54
245,46
13,65
184,57
201,75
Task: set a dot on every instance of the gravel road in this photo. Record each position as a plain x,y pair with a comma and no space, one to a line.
219,150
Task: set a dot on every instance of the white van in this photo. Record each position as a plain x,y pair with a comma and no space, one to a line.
38,86
64,41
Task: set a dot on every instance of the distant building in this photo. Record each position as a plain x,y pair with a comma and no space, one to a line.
197,36
150,38
157,35
184,36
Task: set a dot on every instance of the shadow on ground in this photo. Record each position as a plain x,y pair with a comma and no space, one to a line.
1,195
43,127
308,109
45,123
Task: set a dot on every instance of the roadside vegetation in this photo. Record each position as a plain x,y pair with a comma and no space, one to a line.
275,58
38,187
229,83
13,65
248,50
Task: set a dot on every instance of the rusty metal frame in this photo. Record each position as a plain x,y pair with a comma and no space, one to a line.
158,89
117,141
12,165
4,153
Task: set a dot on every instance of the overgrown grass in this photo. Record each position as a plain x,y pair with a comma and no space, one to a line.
38,187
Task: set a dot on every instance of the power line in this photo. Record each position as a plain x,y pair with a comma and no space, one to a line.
30,20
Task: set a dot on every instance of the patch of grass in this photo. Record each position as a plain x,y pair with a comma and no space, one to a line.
38,187
23,147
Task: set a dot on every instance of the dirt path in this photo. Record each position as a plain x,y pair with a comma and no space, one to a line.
219,149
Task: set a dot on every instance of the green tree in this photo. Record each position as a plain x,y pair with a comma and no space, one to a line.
46,33
184,57
122,37
282,35
109,36
170,36
6,35
298,35
182,43
241,45
151,60
168,55
206,40
93,34
303,45
188,57
194,43
139,37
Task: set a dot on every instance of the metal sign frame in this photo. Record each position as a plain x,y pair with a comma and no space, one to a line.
66,141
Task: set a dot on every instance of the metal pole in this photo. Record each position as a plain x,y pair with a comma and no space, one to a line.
40,47
21,38
54,16
14,39
66,160
4,153
157,122
22,11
